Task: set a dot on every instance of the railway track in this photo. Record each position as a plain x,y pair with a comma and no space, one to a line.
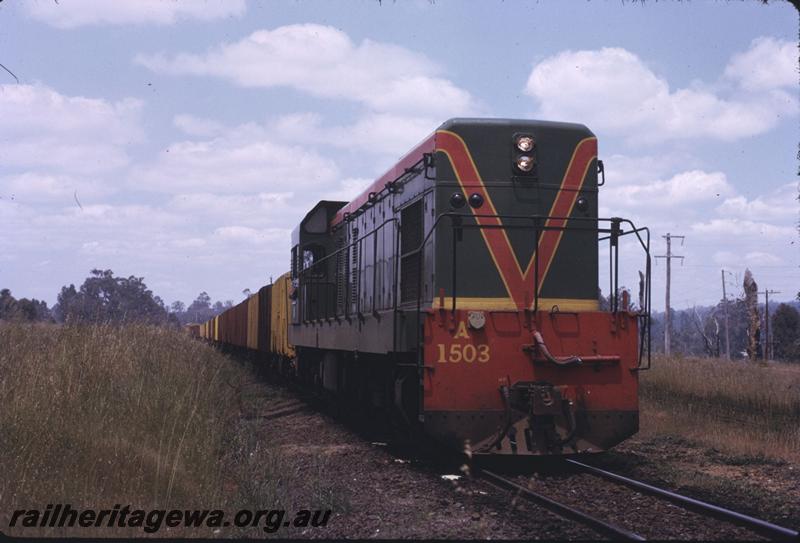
618,532
761,527
562,509
307,402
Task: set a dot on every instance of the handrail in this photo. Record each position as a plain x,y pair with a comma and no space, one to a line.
305,273
539,224
614,232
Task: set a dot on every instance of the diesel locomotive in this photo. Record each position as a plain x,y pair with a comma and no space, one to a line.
459,294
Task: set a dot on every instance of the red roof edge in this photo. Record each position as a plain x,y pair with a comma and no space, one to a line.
408,160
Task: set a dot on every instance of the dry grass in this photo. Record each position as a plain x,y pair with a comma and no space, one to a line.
99,415
742,408
94,416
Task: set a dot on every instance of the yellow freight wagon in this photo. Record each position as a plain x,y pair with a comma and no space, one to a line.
280,315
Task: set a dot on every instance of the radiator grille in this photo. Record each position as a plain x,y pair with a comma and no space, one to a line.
354,266
341,275
411,235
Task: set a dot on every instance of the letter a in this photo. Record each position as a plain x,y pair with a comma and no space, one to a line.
462,330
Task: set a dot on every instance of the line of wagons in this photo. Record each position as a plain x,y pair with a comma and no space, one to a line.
259,323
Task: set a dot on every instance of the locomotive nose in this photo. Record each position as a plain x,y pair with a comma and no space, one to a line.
492,379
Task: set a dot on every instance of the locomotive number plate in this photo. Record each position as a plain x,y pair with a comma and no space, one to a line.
462,352
458,352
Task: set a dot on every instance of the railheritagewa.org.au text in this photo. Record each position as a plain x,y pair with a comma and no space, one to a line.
151,521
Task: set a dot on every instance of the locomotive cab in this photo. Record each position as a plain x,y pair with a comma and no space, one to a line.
311,242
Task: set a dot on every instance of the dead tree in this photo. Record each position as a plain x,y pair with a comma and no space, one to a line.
753,318
710,346
641,291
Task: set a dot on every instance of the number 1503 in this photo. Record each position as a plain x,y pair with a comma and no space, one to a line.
462,353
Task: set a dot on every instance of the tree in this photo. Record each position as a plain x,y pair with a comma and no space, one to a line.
786,333
200,309
709,332
178,307
201,304
8,304
105,298
754,319
603,303
22,309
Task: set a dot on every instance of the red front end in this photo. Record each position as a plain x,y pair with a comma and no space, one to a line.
519,382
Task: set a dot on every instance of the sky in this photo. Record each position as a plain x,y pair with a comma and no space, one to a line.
182,140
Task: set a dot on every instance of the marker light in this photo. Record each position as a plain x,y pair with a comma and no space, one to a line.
475,200
457,200
525,163
524,143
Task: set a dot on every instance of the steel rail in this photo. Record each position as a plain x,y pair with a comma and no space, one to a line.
560,509
759,526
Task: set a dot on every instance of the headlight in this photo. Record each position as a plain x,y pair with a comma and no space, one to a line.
525,163
524,143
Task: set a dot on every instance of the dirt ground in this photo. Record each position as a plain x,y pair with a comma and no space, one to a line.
302,458
762,487
373,492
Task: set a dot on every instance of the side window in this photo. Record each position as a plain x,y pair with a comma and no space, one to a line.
308,258
313,253
294,262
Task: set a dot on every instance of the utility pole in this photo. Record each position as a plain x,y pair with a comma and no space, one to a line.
727,325
667,317
767,349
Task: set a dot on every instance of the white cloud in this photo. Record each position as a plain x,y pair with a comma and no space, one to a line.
255,210
196,126
751,258
780,204
626,169
73,134
189,243
231,163
727,228
110,217
260,204
324,62
686,188
247,235
284,150
347,189
385,134
613,90
74,13
762,258
45,188
767,64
